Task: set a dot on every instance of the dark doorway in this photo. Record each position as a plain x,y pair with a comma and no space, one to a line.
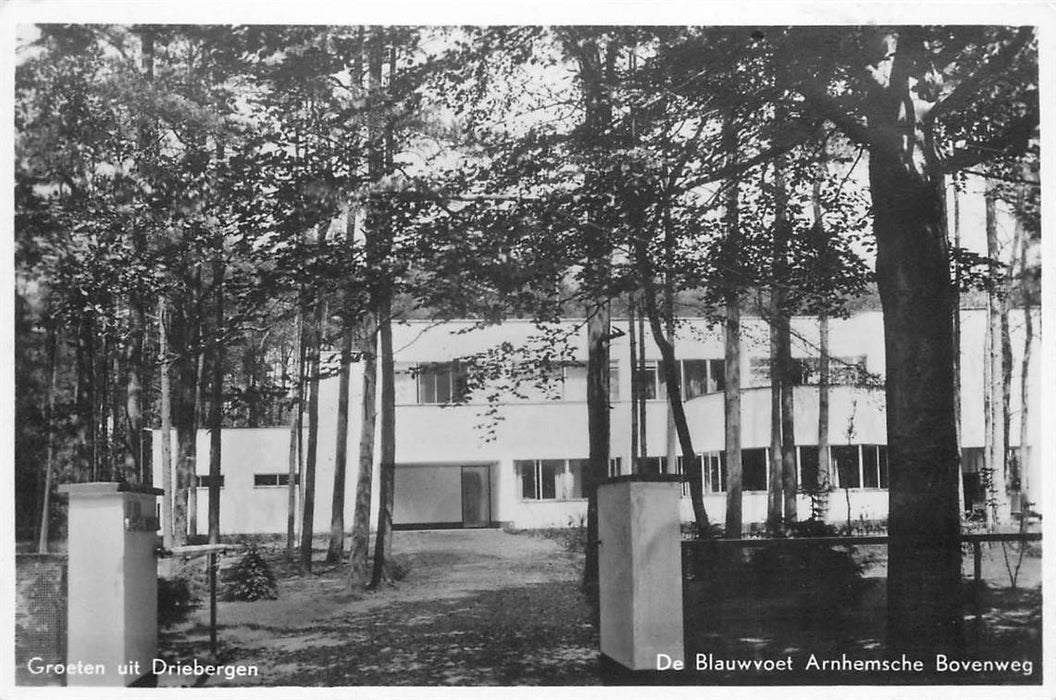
476,497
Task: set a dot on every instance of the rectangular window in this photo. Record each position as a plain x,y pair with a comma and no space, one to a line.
615,466
715,472
551,479
614,382
695,373
753,469
681,471
845,459
442,383
874,466
716,375
882,456
280,479
808,467
574,483
203,481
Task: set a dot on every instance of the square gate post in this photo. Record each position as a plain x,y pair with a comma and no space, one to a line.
112,583
640,570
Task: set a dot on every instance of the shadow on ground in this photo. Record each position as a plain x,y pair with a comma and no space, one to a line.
499,637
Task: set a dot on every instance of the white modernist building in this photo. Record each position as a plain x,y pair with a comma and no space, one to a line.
512,453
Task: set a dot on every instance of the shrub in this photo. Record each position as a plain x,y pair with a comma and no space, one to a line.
175,600
251,578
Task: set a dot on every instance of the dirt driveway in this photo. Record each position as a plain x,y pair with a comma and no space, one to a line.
477,607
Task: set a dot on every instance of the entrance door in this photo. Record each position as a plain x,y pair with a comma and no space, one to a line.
476,497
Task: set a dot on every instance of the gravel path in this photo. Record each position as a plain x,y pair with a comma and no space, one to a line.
477,607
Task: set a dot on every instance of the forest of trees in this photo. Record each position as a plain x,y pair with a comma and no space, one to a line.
210,219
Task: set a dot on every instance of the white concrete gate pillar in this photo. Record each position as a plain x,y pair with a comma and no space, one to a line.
640,570
113,584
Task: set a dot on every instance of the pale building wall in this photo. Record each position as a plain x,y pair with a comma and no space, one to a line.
557,429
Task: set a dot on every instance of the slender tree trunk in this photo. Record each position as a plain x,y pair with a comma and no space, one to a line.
134,360
45,501
336,550
217,403
1025,459
386,497
315,335
957,350
297,436
913,277
643,397
732,388
995,397
165,409
632,343
192,489
674,402
359,570
774,496
824,456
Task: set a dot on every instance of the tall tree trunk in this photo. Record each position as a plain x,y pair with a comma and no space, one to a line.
732,387
775,483
217,403
336,550
956,309
597,73
386,497
192,489
643,398
315,335
294,485
995,399
913,277
674,401
359,569
134,359
45,501
824,484
1025,460
632,343
184,406
165,409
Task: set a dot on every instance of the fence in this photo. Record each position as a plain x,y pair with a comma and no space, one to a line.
40,615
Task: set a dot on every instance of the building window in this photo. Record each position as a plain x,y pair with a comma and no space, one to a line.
551,479
808,467
442,383
753,469
281,479
845,461
203,481
715,472
615,466
680,465
874,466
702,377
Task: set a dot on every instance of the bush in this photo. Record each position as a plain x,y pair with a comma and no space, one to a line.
251,578
175,600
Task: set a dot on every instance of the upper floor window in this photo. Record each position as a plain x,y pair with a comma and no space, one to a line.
807,370
442,383
203,481
694,377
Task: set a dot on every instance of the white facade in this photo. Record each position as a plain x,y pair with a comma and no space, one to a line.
517,462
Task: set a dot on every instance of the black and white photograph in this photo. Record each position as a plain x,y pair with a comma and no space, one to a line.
683,349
